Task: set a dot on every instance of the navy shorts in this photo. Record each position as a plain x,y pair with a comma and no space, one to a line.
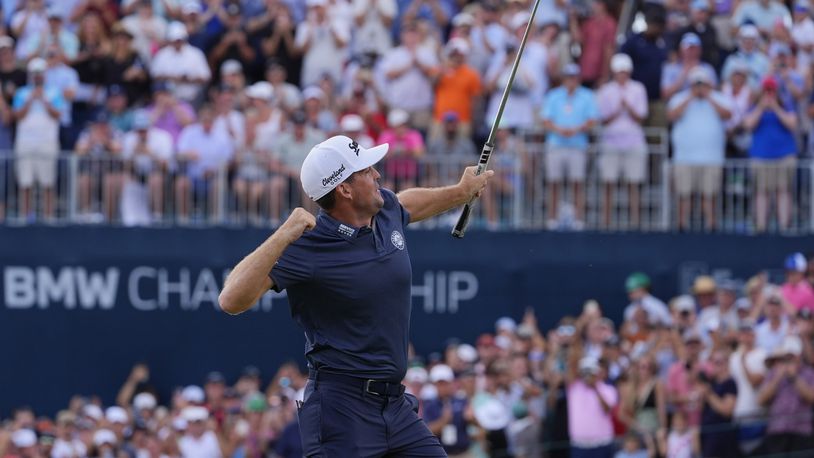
339,419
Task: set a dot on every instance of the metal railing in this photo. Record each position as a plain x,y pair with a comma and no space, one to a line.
68,189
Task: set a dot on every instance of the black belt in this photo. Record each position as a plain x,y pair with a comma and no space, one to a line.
371,386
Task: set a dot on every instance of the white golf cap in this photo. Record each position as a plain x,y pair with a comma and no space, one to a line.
104,436
230,67
331,162
467,353
23,438
683,303
749,31
458,44
505,324
463,19
116,414
313,92
176,31
262,90
397,117
193,394
191,7
37,65
700,75
621,63
589,365
93,411
144,401
352,123
441,373
416,374
194,413
520,19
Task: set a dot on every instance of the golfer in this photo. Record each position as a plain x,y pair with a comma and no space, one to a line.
348,277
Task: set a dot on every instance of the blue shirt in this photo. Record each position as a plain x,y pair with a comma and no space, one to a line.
349,288
648,56
698,136
771,139
570,111
434,409
51,94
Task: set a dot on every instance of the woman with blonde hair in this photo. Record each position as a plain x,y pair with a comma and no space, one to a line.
644,401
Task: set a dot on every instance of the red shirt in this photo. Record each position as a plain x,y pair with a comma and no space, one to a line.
597,34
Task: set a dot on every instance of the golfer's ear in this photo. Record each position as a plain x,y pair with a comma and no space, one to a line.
344,190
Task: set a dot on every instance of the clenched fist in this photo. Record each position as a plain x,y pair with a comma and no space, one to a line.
473,184
297,223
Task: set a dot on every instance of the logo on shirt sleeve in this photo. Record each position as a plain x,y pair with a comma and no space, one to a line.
397,239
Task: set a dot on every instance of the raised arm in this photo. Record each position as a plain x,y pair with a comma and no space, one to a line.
250,278
423,203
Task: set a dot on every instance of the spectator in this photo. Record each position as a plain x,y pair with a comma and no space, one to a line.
718,434
773,122
632,448
790,83
569,113
802,32
764,14
769,333
519,110
590,401
796,291
146,28
597,37
509,181
277,44
149,152
643,401
98,150
738,91
750,53
37,109
406,147
203,153
126,68
67,45
698,139
638,287
747,367
683,390
701,26
788,393
182,64
409,70
447,414
648,52
232,44
27,24
288,96
193,18
456,87
198,440
676,75
323,41
373,19
353,126
682,441
623,108
169,113
227,117
66,80
288,152
12,77
317,114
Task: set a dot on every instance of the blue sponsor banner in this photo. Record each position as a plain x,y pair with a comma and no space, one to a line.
80,305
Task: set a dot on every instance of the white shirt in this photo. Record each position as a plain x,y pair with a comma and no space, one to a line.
324,55
624,131
214,148
146,33
519,111
234,124
412,90
768,338
373,34
36,24
657,311
205,446
189,61
741,103
159,145
746,404
68,449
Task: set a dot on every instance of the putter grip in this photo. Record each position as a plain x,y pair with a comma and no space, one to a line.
463,220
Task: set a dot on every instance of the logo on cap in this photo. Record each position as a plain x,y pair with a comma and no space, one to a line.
354,146
334,177
397,239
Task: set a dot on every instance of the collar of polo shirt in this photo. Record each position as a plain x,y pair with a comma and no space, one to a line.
331,162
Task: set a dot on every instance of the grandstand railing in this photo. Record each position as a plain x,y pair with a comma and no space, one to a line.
117,191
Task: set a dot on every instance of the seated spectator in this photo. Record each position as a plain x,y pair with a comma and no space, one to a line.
182,64
67,45
764,14
456,87
698,139
750,53
38,107
149,153
120,116
203,153
100,168
718,433
676,75
288,153
796,290
233,41
773,123
323,41
595,35
447,414
409,70
788,393
747,367
400,168
737,89
569,113
169,113
147,29
126,68
622,104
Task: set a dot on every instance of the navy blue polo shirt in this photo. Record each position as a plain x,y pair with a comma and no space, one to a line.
434,409
349,288
648,58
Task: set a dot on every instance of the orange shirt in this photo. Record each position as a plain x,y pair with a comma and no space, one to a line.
455,91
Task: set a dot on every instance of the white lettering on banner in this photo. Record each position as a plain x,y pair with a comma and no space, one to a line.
60,289
206,289
145,305
18,285
95,289
166,287
443,292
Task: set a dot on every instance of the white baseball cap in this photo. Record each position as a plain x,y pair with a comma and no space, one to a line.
331,162
194,413
589,364
262,90
352,123
459,45
116,414
193,394
23,438
144,401
104,436
463,19
397,117
700,75
93,411
621,63
177,31
230,67
441,373
37,65
467,353
416,374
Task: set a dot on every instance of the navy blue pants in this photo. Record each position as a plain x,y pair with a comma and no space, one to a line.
342,420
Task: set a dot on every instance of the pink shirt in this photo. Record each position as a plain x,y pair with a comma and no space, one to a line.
678,384
400,162
623,133
800,295
588,423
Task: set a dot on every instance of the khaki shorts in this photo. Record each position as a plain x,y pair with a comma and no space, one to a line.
774,175
563,163
704,179
615,163
36,163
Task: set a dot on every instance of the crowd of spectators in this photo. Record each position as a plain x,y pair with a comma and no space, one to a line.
170,102
722,371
